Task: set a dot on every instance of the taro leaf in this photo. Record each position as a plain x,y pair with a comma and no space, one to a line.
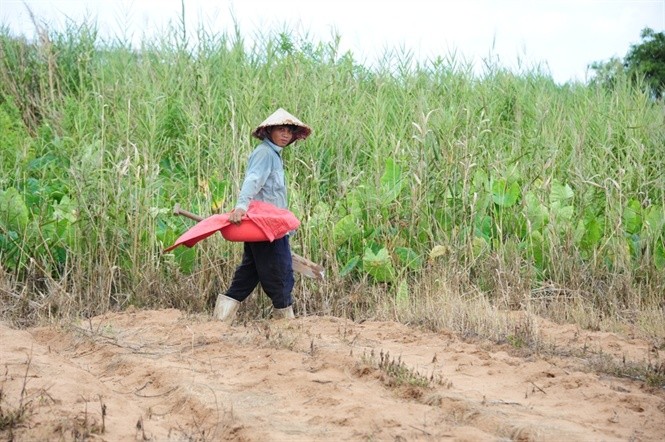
349,266
483,227
43,162
165,233
536,246
13,211
391,182
33,192
560,193
66,209
655,219
408,258
355,201
320,215
634,245
536,212
632,217
186,258
562,214
183,255
593,232
345,229
218,193
378,265
504,194
480,181
479,247
9,250
423,229
483,202
659,255
65,214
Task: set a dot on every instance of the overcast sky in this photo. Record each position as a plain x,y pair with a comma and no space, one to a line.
562,36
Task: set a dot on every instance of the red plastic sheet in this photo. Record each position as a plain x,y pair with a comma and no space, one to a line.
262,222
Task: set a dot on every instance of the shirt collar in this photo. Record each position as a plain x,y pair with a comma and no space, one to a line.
274,147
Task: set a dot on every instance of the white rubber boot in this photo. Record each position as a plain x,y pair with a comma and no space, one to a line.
225,309
283,313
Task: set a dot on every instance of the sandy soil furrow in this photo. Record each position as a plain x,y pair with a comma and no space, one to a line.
161,375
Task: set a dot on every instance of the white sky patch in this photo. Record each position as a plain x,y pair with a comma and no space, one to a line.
565,35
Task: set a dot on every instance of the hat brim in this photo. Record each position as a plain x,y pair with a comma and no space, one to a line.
282,118
299,132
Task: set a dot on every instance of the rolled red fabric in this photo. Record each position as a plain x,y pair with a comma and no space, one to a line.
262,222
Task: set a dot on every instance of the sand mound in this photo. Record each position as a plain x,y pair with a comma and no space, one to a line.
162,375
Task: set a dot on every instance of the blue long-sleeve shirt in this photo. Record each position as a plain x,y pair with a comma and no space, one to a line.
264,177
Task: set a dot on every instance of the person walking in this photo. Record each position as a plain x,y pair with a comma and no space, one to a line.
264,262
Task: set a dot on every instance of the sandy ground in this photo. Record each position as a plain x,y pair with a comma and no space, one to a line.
163,375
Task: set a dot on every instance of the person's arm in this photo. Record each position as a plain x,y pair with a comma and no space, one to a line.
258,170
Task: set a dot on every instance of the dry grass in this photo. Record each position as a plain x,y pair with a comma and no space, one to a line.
13,416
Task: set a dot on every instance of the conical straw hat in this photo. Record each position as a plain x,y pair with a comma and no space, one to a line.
281,117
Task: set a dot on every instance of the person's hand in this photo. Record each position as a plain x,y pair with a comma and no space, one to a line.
236,216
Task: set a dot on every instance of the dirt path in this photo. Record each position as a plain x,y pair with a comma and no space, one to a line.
160,375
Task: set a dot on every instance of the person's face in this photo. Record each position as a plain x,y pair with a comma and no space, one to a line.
281,135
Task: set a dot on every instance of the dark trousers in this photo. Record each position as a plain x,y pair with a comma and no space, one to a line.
268,263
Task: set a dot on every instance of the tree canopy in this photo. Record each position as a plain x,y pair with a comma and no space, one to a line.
644,62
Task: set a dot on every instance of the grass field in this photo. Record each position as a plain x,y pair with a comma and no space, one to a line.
432,195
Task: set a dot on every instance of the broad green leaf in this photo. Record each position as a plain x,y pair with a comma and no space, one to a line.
424,229
634,245
391,182
593,233
218,193
536,212
354,201
504,194
34,192
349,266
562,215
43,162
345,229
165,233
483,227
560,193
483,201
91,156
14,213
320,215
68,233
479,247
186,258
536,246
378,265
66,209
480,181
655,219
659,255
632,217
408,258
9,250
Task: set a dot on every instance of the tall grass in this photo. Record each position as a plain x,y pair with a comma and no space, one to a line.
423,184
